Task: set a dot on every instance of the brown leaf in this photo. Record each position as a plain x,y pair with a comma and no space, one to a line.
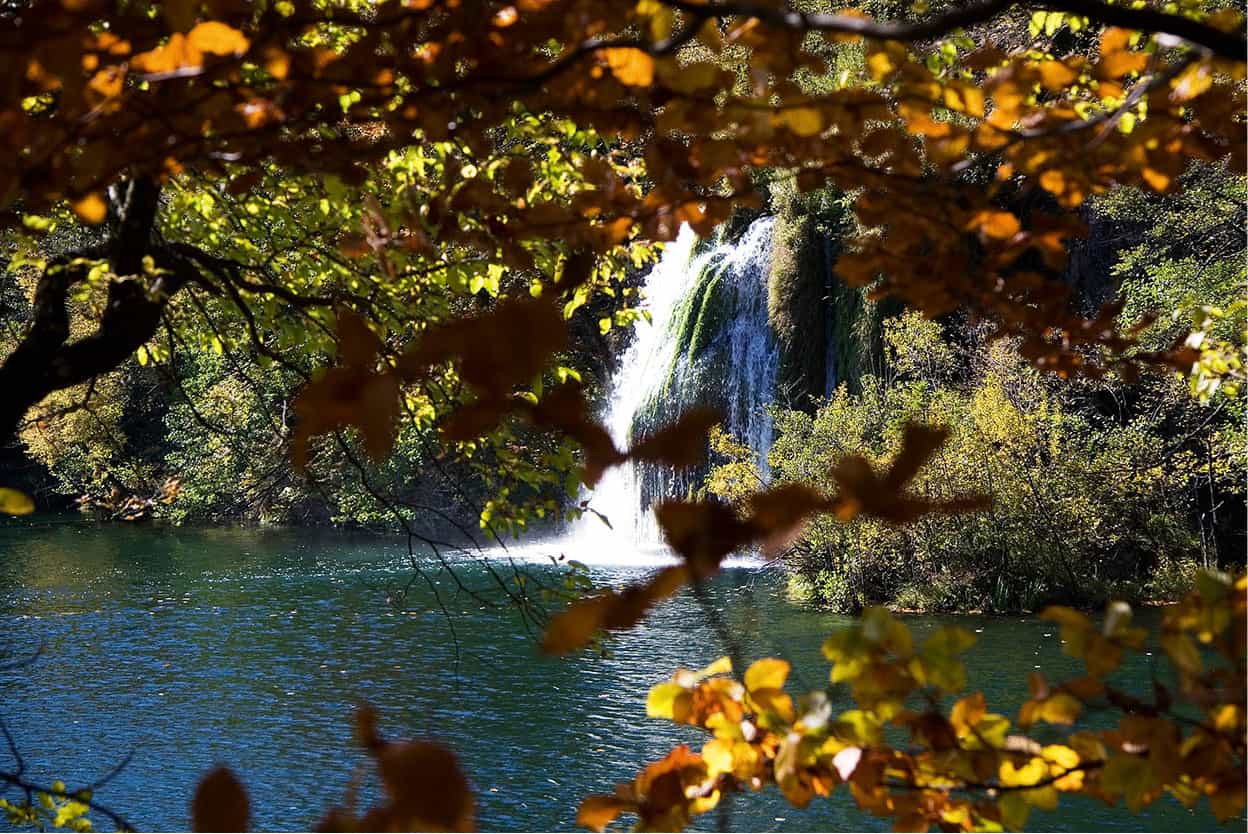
613,611
358,345
427,789
862,491
348,397
679,444
245,182
564,408
918,444
779,514
498,350
596,812
220,803
702,532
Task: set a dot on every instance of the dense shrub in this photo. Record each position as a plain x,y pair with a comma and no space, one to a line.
1098,489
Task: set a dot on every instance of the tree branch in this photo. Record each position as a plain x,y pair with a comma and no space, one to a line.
1223,44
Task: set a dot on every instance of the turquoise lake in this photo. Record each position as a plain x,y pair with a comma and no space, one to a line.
190,648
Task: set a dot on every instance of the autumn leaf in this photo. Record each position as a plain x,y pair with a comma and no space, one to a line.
220,803
574,627
14,502
803,121
768,673
564,408
216,38
352,394
863,491
702,532
91,209
596,812
426,788
177,53
994,225
630,66
497,350
779,514
681,443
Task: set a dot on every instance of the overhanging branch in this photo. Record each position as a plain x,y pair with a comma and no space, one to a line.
1216,41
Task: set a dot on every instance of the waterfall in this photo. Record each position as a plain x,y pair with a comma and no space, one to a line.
707,343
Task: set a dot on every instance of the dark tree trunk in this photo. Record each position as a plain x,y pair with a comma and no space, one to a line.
45,361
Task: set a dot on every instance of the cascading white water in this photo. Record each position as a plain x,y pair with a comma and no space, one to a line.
753,352
616,495
662,373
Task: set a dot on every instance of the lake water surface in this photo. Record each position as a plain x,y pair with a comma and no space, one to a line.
250,648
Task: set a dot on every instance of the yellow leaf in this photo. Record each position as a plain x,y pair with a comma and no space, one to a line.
768,673
717,753
91,209
14,502
858,727
1061,708
1031,773
630,66
804,121
662,700
722,666
880,64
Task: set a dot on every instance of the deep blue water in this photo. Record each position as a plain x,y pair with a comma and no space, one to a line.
192,648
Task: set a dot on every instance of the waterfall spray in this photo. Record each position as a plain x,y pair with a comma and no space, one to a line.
696,349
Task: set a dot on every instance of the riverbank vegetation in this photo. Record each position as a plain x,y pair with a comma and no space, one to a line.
363,262
1097,491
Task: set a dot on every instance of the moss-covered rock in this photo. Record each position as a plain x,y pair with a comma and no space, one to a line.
828,332
796,291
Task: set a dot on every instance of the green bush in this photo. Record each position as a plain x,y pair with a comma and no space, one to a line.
1097,488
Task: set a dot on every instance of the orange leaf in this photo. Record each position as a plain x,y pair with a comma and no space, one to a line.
630,66
91,209
217,38
596,812
1117,64
1055,75
995,225
177,53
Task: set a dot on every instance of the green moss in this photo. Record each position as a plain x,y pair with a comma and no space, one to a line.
815,317
700,318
